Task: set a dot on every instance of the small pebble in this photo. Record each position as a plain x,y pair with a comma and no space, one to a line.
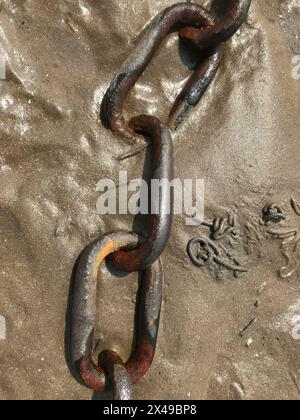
249,343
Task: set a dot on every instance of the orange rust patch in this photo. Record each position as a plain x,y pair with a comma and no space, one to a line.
110,248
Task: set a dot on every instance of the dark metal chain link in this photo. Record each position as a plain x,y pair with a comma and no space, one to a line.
126,251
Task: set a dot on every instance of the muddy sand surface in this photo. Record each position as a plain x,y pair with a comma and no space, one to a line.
243,139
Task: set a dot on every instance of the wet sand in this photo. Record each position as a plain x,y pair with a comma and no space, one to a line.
243,139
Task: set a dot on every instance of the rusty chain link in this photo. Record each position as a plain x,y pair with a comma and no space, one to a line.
84,315
126,251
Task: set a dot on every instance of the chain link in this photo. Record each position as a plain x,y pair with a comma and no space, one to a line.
170,20
84,313
161,218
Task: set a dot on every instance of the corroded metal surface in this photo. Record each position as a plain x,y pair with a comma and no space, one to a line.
231,15
169,20
160,205
84,315
118,377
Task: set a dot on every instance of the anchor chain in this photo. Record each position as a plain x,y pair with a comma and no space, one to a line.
125,251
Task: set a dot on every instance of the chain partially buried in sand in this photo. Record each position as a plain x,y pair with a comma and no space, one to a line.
123,250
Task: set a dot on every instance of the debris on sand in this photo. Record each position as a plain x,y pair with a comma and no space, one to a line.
246,328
